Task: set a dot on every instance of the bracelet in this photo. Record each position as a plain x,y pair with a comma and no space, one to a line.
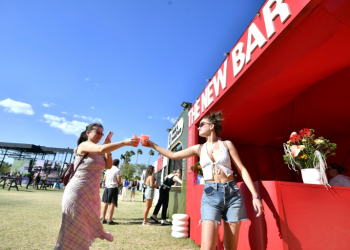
256,197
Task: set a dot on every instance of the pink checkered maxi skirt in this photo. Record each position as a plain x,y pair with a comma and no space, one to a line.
81,206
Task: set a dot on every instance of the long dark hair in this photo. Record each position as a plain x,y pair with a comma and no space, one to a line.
83,136
149,170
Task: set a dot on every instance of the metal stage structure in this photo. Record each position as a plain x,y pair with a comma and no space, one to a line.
22,151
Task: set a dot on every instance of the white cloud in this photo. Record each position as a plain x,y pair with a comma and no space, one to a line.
96,84
92,107
65,113
68,127
45,104
88,118
150,117
171,119
87,79
15,107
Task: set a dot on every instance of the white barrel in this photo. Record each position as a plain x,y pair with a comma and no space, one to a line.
179,229
183,217
179,235
180,223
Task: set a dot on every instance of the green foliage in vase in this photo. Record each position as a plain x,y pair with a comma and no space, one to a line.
197,168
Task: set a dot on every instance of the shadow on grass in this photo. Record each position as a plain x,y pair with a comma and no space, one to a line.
133,221
32,190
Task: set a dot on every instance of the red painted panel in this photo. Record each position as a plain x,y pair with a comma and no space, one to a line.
263,232
316,218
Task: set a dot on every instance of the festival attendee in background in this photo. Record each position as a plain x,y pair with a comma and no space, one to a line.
221,196
143,191
81,204
110,195
12,174
31,178
149,193
133,189
163,200
338,179
125,188
36,180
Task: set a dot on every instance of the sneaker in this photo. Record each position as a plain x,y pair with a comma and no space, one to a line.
165,223
146,223
112,223
154,217
104,221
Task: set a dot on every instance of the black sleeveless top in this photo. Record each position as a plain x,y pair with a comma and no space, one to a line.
169,181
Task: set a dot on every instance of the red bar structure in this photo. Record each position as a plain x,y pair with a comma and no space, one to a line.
289,70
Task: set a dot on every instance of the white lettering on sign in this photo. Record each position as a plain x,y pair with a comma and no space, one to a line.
210,98
221,79
196,109
241,54
176,132
238,58
259,40
207,98
190,117
281,9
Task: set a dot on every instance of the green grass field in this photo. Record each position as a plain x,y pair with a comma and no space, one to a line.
30,219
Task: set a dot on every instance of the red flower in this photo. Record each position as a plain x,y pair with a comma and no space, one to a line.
305,132
295,138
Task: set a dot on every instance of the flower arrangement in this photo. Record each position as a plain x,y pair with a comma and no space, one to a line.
197,169
304,151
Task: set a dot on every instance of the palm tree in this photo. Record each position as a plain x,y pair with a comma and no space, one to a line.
127,158
122,157
139,151
151,152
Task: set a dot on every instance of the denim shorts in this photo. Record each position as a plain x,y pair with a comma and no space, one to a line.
222,201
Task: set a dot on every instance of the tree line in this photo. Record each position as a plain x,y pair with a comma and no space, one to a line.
130,169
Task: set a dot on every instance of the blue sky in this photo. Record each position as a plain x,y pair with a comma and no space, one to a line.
128,64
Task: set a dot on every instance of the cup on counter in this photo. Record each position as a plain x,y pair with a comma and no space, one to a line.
143,140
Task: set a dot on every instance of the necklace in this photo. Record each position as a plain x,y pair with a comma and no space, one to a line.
212,147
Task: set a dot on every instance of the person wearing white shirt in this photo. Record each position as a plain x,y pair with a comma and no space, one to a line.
110,194
338,179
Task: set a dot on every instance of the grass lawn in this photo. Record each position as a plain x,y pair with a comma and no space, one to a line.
30,219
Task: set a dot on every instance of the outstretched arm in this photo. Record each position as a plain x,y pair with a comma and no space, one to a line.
188,152
177,179
89,147
245,176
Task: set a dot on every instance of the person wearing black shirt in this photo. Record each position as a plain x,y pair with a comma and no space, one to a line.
163,200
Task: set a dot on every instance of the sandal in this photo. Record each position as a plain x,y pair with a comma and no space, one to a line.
146,223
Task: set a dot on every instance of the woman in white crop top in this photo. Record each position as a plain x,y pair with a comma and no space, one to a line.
221,196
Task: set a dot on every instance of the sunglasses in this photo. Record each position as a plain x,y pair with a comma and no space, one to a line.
202,124
98,132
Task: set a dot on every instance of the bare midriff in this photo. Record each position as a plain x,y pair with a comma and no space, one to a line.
221,177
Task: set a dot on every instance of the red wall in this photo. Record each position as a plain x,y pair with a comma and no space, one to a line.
296,216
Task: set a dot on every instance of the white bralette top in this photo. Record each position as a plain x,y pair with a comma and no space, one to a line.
223,163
